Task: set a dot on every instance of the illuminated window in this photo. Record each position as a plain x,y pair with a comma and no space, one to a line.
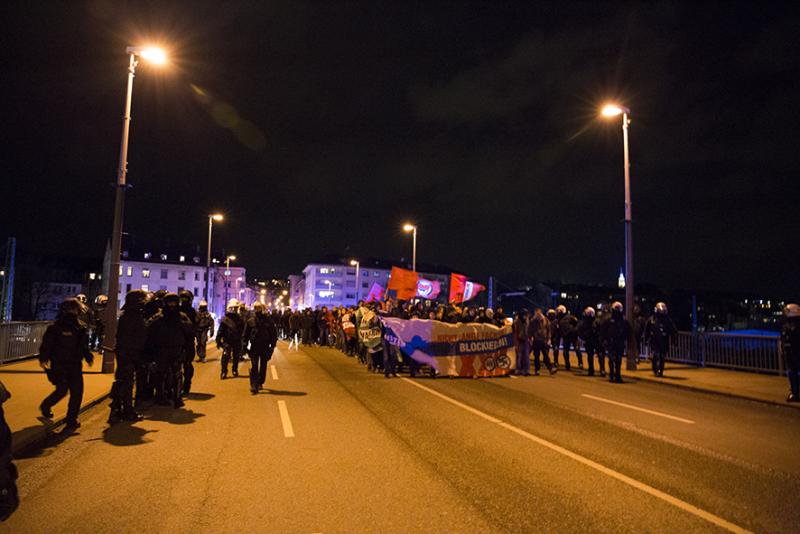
145,273
182,259
145,287
130,270
163,257
120,270
147,255
92,276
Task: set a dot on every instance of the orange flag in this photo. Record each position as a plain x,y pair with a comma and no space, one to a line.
404,282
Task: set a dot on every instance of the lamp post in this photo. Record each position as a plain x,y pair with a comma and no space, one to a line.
330,291
408,227
614,110
211,218
227,276
357,265
157,56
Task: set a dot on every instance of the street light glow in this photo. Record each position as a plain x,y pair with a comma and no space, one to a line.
154,55
408,227
217,216
612,110
353,263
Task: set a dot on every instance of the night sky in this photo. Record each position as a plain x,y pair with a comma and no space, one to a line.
321,127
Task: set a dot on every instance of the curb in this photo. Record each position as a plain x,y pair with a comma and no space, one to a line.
18,446
701,389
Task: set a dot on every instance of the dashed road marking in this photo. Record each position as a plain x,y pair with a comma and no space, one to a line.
638,409
274,372
658,494
286,421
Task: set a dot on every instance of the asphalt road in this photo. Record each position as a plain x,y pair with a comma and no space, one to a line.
332,448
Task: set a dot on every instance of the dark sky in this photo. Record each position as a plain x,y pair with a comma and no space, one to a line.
320,127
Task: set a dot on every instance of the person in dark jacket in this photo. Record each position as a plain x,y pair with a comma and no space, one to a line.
790,347
555,337
229,338
203,330
9,497
539,333
568,328
131,339
587,332
170,337
99,330
616,332
260,338
65,345
522,343
657,333
186,298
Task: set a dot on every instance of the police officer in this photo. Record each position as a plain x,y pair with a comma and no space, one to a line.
204,330
229,338
99,313
131,339
587,332
539,333
522,343
657,332
86,316
260,338
790,346
64,345
186,298
616,332
9,496
555,337
170,338
568,328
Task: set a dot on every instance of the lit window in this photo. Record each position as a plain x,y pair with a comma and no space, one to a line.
120,270
324,270
163,257
145,287
147,255
130,270
92,276
196,259
182,259
145,273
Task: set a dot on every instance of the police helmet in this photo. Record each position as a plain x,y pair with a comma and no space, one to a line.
203,305
551,312
616,306
792,310
80,297
136,298
233,305
186,296
561,309
661,308
101,300
589,311
70,307
171,299
259,307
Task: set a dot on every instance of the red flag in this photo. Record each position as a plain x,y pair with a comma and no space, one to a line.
375,293
404,282
471,290
458,283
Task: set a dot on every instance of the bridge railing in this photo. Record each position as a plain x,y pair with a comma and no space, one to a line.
20,339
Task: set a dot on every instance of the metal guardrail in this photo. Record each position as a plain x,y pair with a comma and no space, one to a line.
21,339
744,352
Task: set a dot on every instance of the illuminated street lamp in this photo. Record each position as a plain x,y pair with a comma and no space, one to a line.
357,265
408,227
158,57
227,274
211,218
614,110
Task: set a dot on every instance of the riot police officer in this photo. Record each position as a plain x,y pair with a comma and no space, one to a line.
131,339
96,340
568,328
229,338
587,332
790,347
204,329
657,332
260,338
186,298
64,345
616,332
170,337
555,337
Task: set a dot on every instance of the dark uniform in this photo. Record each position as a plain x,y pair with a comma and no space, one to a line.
260,338
170,337
64,345
616,332
229,339
188,361
9,498
131,339
587,332
568,328
555,337
657,333
790,347
99,330
204,330
539,332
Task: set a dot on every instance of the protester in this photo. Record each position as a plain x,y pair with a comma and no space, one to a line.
522,343
539,332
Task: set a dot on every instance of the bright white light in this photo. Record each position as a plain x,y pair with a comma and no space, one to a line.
611,110
217,216
408,227
154,55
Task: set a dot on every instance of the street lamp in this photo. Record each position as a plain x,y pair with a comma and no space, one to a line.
227,274
408,227
158,57
330,290
357,265
211,218
614,110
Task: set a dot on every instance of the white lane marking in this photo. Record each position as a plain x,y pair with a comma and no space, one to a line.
288,431
683,505
513,376
638,409
274,372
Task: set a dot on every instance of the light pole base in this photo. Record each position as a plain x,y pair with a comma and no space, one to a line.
108,361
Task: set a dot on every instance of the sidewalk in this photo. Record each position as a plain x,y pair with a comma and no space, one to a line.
771,389
28,386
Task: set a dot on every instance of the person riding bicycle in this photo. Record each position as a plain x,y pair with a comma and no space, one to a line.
229,338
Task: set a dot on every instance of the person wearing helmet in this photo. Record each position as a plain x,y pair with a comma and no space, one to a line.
170,338
587,332
616,332
186,298
568,328
260,338
203,330
9,495
539,333
657,333
64,345
131,338
87,315
790,347
99,314
229,338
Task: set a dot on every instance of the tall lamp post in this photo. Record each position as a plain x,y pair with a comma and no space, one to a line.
614,110
408,227
158,57
357,265
211,218
227,276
